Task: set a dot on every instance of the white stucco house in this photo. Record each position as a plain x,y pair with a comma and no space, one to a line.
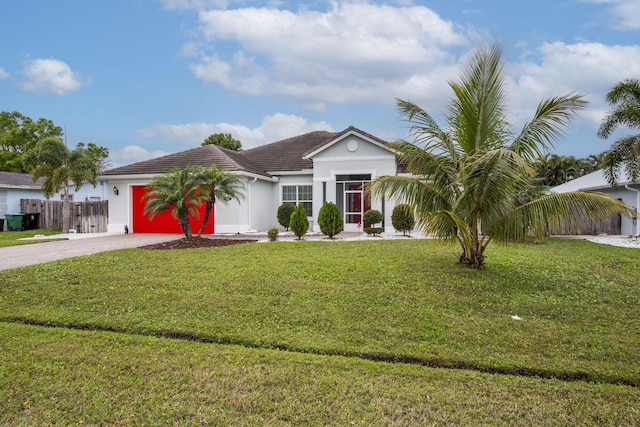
309,169
16,186
626,191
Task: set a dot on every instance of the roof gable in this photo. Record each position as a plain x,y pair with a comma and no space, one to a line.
350,131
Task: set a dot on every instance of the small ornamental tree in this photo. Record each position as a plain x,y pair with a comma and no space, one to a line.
402,218
372,217
330,220
298,222
284,214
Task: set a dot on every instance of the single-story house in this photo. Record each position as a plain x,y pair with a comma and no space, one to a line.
16,186
626,191
308,169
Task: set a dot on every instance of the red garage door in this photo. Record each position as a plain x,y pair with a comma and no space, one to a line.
164,222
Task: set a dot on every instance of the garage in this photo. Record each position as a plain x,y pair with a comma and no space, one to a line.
165,222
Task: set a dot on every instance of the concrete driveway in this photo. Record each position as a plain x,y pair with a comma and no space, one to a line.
76,245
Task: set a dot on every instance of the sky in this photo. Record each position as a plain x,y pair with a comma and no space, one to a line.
146,78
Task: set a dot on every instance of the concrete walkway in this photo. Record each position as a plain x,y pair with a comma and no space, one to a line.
76,245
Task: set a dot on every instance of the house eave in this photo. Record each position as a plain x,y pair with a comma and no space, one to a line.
21,187
149,176
288,173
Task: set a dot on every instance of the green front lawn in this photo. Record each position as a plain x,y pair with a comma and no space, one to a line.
10,238
62,377
373,301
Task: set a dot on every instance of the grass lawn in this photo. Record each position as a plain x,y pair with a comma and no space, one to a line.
10,238
370,333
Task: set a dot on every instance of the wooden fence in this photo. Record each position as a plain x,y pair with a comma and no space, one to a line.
84,217
583,225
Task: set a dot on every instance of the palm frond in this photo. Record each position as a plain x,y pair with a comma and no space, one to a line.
477,111
568,210
423,196
623,157
625,98
493,181
425,131
176,191
549,121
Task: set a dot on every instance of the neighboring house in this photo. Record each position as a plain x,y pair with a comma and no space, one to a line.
309,169
626,191
16,186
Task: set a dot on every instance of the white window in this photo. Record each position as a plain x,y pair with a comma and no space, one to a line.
302,194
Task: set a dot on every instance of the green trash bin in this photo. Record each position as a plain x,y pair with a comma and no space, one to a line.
14,222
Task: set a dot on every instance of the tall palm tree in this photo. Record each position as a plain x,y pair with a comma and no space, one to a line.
60,167
466,179
625,152
176,191
217,185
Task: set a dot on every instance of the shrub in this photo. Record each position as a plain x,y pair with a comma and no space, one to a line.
372,217
273,234
298,222
402,218
330,220
373,230
284,214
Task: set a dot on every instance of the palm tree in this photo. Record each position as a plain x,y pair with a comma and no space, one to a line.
217,185
625,152
60,167
595,161
553,169
177,191
466,180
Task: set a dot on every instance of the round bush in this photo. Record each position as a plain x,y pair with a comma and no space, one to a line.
372,216
330,220
284,214
402,218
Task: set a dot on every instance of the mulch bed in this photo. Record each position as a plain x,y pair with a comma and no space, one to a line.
196,242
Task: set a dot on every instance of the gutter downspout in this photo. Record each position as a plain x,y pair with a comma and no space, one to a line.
255,178
637,231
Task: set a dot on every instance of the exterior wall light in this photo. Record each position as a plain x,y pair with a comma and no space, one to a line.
115,190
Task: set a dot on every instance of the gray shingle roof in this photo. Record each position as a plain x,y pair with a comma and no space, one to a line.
18,180
208,155
285,155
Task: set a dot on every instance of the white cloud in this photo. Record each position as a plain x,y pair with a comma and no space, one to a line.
358,52
624,13
353,52
51,76
272,128
588,68
3,74
132,154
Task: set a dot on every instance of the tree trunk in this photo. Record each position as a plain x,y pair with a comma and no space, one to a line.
65,210
207,212
186,226
473,255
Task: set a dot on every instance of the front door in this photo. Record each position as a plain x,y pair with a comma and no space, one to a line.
354,201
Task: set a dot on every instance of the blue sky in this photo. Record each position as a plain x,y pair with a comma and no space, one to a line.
151,77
